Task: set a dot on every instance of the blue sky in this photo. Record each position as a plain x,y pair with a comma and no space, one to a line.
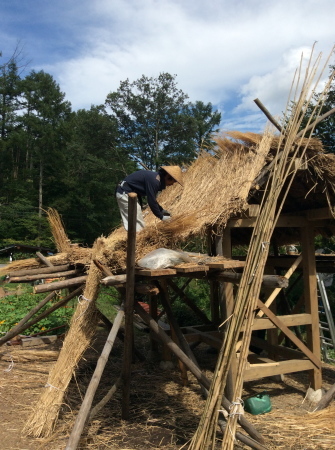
227,52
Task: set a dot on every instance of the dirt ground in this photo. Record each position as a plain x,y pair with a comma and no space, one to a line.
164,413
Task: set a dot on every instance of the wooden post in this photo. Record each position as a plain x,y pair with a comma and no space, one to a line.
129,304
94,383
311,301
227,307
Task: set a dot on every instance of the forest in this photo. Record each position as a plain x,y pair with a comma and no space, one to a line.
53,156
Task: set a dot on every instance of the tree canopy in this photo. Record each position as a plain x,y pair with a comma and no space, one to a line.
72,161
155,122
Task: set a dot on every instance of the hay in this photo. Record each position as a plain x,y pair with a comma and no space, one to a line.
62,242
82,329
292,431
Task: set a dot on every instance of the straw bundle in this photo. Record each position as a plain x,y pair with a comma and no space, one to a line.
249,288
62,242
81,332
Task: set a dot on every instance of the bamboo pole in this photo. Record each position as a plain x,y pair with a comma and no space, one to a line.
93,386
129,304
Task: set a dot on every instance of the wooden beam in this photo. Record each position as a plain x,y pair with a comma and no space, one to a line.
202,316
57,285
41,270
28,278
279,324
289,320
155,272
267,369
319,213
311,301
276,291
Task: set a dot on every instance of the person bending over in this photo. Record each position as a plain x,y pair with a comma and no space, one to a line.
146,183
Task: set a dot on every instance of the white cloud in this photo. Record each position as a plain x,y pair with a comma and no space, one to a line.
222,51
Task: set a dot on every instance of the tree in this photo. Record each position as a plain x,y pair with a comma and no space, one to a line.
94,165
206,122
45,118
324,130
150,114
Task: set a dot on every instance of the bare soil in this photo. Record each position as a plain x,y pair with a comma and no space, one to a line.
164,413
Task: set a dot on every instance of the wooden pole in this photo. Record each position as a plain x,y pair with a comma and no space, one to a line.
57,285
94,383
23,272
27,278
129,304
311,302
44,259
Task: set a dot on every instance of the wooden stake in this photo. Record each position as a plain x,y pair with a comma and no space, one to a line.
129,304
94,383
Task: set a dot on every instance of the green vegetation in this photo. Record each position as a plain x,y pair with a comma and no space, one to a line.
14,307
72,161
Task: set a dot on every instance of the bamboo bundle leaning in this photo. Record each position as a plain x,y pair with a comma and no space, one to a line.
248,293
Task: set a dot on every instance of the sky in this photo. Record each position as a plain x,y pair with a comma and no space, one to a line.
227,52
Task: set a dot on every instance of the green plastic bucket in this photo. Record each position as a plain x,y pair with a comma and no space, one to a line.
260,404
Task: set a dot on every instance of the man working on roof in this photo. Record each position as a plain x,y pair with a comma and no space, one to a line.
146,184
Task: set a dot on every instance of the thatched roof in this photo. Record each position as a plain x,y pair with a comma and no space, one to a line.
217,186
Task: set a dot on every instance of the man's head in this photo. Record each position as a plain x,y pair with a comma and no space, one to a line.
172,174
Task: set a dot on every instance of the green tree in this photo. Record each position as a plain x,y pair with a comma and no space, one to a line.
324,130
151,119
206,123
45,120
94,165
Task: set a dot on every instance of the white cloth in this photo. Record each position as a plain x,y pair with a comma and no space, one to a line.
122,201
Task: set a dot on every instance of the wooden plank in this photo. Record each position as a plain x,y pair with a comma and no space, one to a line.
289,320
257,371
229,264
155,272
191,269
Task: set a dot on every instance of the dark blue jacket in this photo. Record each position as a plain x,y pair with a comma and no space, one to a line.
146,184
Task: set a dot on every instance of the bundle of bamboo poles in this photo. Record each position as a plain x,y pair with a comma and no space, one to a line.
248,293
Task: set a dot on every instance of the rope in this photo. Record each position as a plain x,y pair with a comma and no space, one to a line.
87,300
